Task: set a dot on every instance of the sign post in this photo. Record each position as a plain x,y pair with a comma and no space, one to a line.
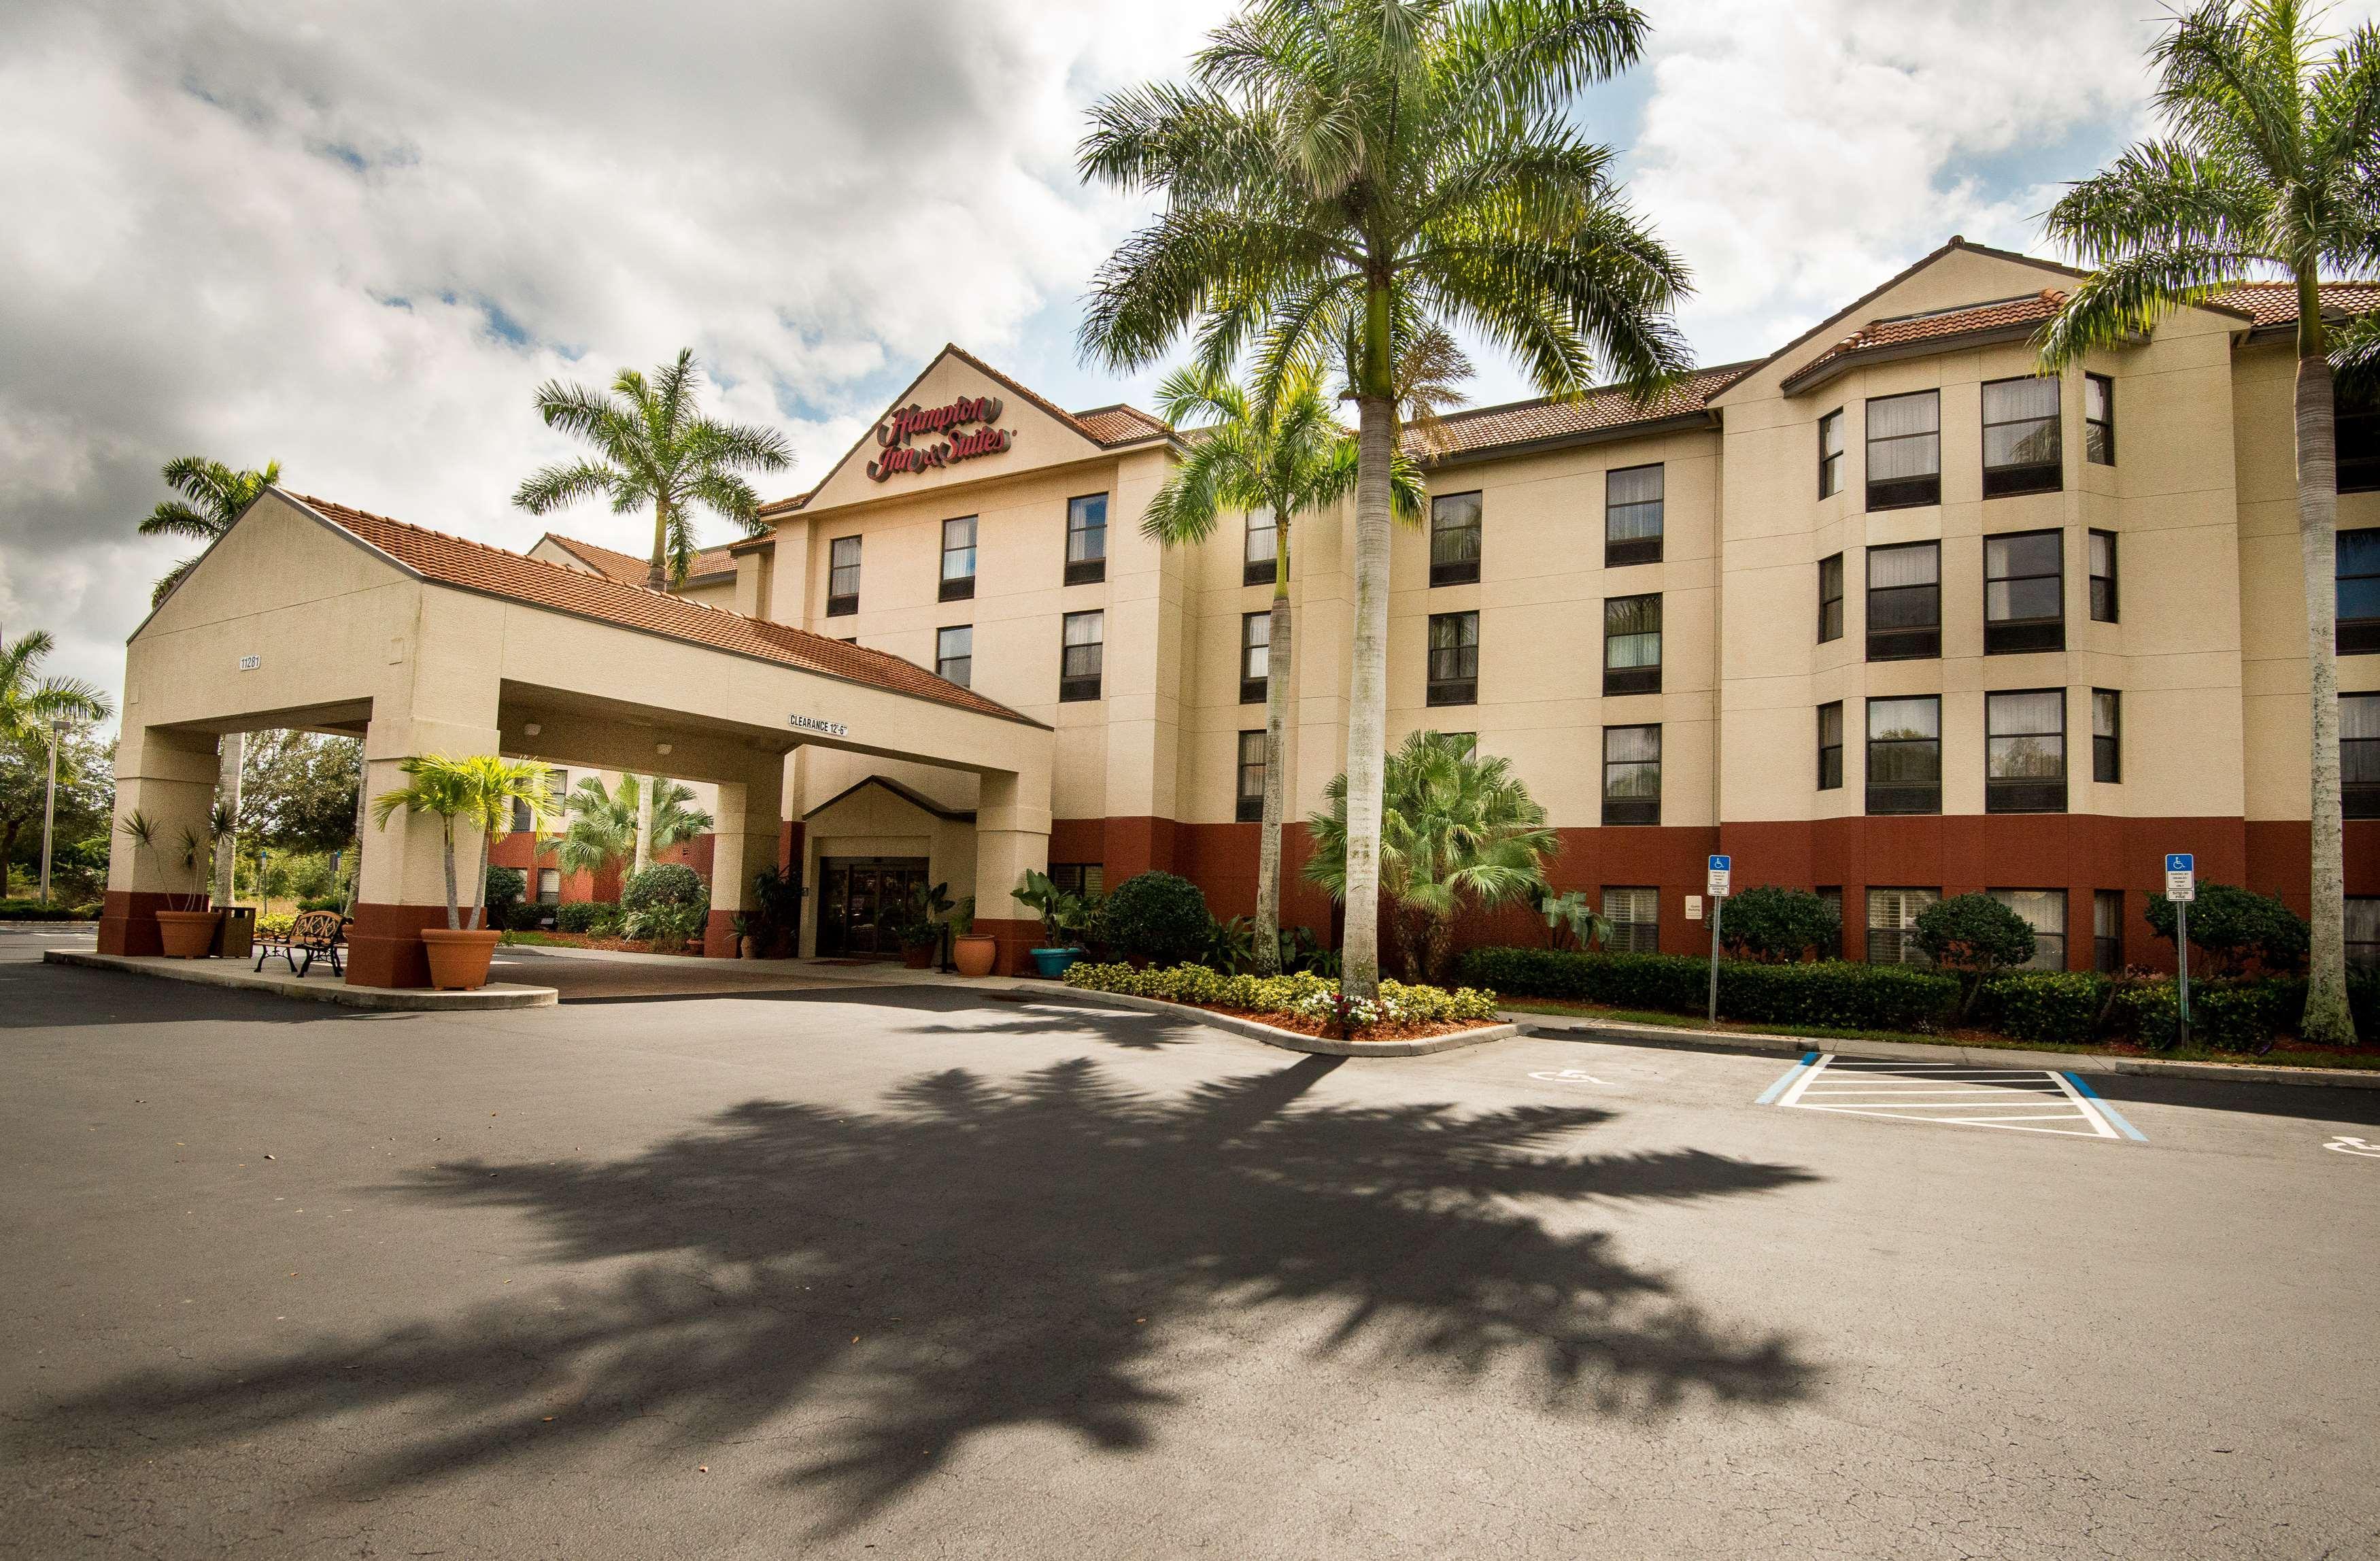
2181,888
1721,870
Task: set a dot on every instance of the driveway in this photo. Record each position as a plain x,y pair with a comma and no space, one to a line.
905,1272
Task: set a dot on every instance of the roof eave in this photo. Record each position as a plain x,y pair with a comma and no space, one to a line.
1827,370
1700,418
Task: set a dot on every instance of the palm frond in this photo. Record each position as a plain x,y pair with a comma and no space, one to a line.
555,486
2126,298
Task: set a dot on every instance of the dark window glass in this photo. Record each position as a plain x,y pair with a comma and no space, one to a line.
1632,774
557,785
1830,598
1892,925
1078,877
1632,514
2022,453
2359,591
2363,931
2107,931
2357,426
2359,753
2025,751
1635,918
1632,644
1904,601
1087,540
1080,657
549,886
1830,746
1454,659
2044,911
1904,755
2098,419
1252,778
2106,736
1256,655
1260,548
955,654
2025,593
2103,577
1454,539
843,576
958,559
1831,453
1904,450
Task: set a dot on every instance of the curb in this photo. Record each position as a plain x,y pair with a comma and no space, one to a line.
1903,1050
1292,1041
389,999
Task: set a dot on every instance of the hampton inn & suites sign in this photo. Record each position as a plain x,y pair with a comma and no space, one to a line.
900,432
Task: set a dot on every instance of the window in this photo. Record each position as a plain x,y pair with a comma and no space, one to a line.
1082,655
843,576
2359,753
2107,931
2358,592
1087,540
1904,755
2363,931
2357,425
2098,419
1830,746
1831,453
1077,877
1830,598
1635,918
1904,450
1252,778
1632,516
1632,644
557,784
1260,548
1831,896
1454,539
1892,925
549,886
2025,751
2021,449
2107,737
1454,658
955,654
958,559
2025,593
2044,911
1904,601
1256,655
2103,577
1632,774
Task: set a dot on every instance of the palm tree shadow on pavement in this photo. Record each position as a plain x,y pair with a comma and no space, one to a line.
1037,1239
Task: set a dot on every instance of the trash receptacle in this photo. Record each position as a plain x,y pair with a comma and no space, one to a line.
236,933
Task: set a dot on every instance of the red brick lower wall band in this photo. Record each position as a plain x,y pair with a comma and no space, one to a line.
127,921
385,945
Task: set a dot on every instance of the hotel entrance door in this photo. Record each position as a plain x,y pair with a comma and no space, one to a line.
857,898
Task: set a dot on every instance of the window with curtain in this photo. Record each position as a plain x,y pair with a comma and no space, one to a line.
1830,598
1632,514
843,576
958,559
2022,451
2044,911
2359,753
1081,655
2359,591
2106,736
2098,419
1632,774
1078,877
1636,917
1904,755
549,886
2363,931
1831,453
1632,644
1830,746
1904,450
2025,593
2107,931
955,654
1252,778
1453,659
1087,540
1892,925
2103,577
1256,655
1454,539
1258,548
2025,751
1904,601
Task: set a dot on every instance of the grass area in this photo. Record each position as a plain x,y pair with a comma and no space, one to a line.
2286,1054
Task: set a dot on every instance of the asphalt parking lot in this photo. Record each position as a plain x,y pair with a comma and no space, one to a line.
899,1273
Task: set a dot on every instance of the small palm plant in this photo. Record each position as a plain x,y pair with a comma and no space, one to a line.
656,448
608,825
143,832
481,789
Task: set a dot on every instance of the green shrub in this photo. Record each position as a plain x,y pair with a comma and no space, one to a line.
1830,994
275,926
585,915
1975,933
667,925
1304,994
1768,922
2364,1002
528,916
2230,1016
1157,917
504,888
2239,929
668,884
333,904
34,910
2056,1006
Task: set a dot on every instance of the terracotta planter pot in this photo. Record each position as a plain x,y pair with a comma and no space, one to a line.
458,960
976,953
747,949
188,935
920,958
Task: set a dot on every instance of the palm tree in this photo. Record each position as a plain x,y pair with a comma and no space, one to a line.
481,789
2269,166
30,703
1455,828
212,497
1339,171
609,825
1287,459
657,448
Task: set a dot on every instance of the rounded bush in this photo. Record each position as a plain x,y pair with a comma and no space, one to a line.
2239,927
584,916
528,916
1973,932
1158,916
1773,923
666,884
505,886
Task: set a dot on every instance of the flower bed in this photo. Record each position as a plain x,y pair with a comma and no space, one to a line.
607,942
1305,1003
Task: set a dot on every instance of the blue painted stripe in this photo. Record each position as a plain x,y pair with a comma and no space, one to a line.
2114,1117
1791,1073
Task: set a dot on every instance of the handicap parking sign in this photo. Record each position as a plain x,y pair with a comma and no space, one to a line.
2180,877
1721,871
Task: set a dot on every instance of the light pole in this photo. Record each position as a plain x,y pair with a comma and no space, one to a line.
50,811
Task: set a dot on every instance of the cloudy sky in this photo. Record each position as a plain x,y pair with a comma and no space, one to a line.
356,237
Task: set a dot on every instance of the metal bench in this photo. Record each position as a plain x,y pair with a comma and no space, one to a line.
314,934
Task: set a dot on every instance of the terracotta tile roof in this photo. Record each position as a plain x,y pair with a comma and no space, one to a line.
631,570
2276,303
1119,425
1526,422
492,571
2001,314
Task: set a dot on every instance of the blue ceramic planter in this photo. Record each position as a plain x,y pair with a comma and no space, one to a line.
1052,962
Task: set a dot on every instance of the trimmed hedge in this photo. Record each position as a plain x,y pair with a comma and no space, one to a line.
1157,917
1304,994
585,916
1832,994
2055,1006
34,910
667,884
527,916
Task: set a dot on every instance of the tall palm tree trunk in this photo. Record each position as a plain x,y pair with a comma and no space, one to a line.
454,900
645,822
657,569
234,758
1278,664
1368,697
2328,1019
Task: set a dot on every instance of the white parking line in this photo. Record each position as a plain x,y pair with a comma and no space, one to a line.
2012,1099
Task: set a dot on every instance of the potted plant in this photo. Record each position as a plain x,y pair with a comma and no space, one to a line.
1063,916
185,927
919,923
747,939
974,953
481,790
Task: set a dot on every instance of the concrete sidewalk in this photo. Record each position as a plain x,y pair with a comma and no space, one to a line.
319,987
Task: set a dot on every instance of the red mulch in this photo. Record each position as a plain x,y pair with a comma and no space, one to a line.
1323,1031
